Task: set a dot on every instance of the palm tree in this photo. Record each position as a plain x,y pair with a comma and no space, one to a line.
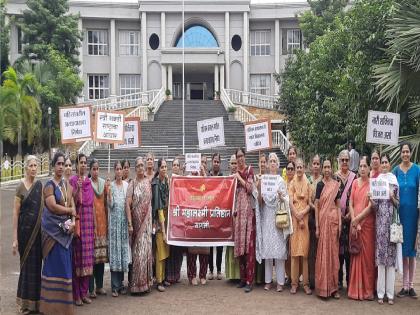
18,96
398,76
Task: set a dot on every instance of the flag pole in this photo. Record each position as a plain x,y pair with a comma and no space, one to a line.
183,79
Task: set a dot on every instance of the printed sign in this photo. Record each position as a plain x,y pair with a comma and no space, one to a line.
109,127
258,135
192,162
210,133
200,211
383,127
379,188
269,184
75,124
132,134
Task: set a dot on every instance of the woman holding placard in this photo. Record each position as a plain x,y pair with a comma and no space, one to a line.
272,241
408,176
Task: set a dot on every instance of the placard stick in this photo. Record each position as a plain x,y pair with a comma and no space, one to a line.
109,159
259,159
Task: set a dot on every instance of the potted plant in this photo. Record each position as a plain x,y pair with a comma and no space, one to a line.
217,96
150,114
231,113
168,94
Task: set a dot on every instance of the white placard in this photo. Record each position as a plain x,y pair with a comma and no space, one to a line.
210,133
75,124
132,134
379,188
269,184
192,162
383,127
110,127
258,135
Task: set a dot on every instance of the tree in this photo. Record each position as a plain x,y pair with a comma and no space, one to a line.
398,75
46,24
18,95
4,38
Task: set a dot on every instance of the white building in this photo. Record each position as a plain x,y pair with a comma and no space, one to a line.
131,46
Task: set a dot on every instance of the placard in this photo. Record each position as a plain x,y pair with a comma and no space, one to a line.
192,162
75,124
200,211
210,133
258,135
270,184
132,134
109,127
379,188
383,127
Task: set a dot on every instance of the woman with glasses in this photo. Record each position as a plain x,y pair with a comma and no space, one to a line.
139,200
290,172
346,178
291,157
83,244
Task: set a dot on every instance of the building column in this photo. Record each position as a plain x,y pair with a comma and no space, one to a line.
277,53
81,98
170,85
216,81
227,48
162,30
112,54
222,77
144,51
164,77
246,57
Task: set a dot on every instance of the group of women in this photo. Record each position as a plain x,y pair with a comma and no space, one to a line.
67,229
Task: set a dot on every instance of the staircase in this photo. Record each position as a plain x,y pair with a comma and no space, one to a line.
163,136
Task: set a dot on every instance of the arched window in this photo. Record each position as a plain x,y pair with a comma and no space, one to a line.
197,36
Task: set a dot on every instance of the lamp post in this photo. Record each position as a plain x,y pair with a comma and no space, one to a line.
49,138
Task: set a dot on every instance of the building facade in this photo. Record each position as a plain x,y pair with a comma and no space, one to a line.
136,46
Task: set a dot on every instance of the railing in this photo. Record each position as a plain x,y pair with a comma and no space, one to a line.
87,148
143,111
226,100
279,140
243,115
158,100
14,168
252,99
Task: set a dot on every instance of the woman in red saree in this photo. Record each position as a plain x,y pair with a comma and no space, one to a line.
362,265
328,230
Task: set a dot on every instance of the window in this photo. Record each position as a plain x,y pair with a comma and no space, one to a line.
154,41
129,43
98,42
293,40
261,83
260,43
236,42
98,86
129,83
19,39
197,36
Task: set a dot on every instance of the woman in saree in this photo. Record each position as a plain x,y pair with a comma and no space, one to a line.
119,228
271,243
328,229
300,196
160,199
139,198
244,222
375,164
150,166
83,244
314,179
362,230
126,171
100,188
174,261
291,157
57,228
27,213
231,264
67,168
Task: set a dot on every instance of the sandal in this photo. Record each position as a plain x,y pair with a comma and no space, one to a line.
279,288
161,288
307,290
78,303
293,290
100,291
92,295
391,302
86,300
114,293
267,286
166,283
336,296
380,301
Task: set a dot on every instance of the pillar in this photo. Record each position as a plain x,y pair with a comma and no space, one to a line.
170,85
227,48
162,30
81,52
277,53
246,57
222,77
112,55
164,77
144,51
216,81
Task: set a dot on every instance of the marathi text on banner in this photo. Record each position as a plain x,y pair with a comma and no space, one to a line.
75,124
270,184
200,211
210,133
258,135
132,134
383,127
379,188
109,127
192,162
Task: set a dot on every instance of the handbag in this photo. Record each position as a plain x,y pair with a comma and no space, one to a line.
355,244
282,216
396,228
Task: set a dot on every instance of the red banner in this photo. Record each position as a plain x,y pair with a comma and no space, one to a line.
200,211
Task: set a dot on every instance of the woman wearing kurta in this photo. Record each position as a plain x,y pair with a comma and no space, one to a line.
67,168
346,178
244,221
408,176
300,196
232,264
57,228
83,244
362,265
119,225
100,188
271,241
27,237
139,200
314,179
290,172
328,229
126,171
385,251
160,191
150,165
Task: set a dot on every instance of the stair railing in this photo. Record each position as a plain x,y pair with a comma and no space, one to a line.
241,114
279,140
252,99
158,100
